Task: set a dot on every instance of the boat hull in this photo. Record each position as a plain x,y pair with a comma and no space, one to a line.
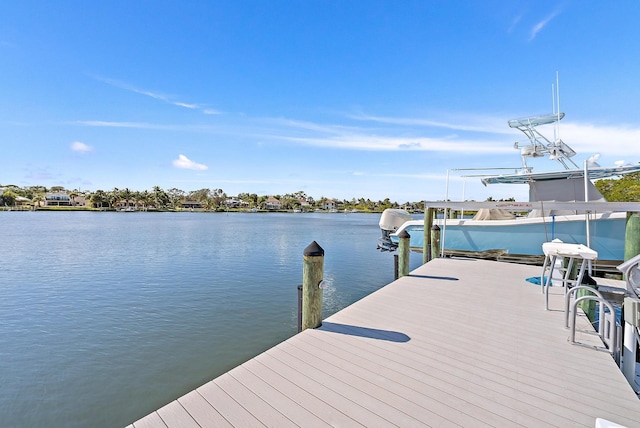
526,235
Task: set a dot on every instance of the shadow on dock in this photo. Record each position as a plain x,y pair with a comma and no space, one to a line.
444,278
370,333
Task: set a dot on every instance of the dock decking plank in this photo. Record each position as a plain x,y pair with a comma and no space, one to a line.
455,343
152,420
429,402
411,412
298,414
269,373
230,409
202,411
174,415
349,400
432,344
427,390
248,399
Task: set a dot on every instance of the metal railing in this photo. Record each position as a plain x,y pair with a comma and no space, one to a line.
608,327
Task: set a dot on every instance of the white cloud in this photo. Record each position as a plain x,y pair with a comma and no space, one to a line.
391,143
514,24
468,134
108,124
612,141
412,136
186,105
144,125
540,25
186,163
77,146
470,123
155,95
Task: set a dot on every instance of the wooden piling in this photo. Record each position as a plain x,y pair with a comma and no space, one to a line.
435,241
395,267
632,236
299,308
426,246
312,274
404,251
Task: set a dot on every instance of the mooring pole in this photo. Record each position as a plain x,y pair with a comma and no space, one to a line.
299,308
632,236
395,266
312,274
426,246
404,251
435,241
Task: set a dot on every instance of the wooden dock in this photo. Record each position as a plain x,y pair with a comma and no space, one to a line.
459,342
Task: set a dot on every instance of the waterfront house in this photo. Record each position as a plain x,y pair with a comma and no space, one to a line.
18,201
304,204
272,203
57,199
329,204
21,201
234,202
79,201
191,205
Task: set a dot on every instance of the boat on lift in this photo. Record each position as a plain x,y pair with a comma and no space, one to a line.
563,204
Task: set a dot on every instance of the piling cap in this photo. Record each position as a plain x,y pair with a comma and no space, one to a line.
313,250
435,227
404,234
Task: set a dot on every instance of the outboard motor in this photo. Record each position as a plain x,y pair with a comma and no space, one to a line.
390,220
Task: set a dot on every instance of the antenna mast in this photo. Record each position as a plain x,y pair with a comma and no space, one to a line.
558,97
553,111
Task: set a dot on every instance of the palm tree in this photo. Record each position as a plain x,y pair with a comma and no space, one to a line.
127,195
114,197
73,194
160,197
144,198
37,199
98,198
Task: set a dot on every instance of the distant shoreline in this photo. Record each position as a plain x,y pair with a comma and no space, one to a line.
195,210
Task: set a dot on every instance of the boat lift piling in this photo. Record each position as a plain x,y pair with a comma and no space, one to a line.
429,214
435,242
404,254
632,236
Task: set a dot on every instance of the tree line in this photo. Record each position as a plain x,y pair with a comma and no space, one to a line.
174,198
624,189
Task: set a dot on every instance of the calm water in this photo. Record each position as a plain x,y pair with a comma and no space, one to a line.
105,317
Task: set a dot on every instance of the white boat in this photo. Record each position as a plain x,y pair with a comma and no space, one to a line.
562,205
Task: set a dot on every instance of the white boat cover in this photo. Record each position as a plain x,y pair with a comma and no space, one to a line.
493,214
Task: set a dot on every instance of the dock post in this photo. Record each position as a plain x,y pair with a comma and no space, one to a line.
404,248
632,236
299,308
588,306
435,241
395,267
426,246
312,274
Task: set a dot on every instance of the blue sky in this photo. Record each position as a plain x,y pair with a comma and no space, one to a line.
340,99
